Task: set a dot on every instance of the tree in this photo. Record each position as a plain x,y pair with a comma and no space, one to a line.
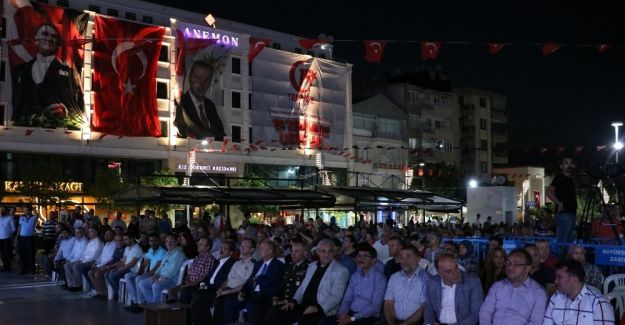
108,184
253,180
442,179
164,177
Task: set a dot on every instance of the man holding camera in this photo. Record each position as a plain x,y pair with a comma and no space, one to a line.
561,191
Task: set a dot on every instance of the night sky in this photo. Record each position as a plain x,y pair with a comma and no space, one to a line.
567,98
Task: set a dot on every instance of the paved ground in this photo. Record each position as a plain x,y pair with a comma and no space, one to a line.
29,300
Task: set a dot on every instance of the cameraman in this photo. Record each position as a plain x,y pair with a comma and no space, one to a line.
561,191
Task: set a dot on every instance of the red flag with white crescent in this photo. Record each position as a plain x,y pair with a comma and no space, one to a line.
309,43
374,51
494,48
124,80
256,46
550,48
429,50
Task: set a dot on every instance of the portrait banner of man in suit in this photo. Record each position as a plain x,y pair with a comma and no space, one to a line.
46,59
202,62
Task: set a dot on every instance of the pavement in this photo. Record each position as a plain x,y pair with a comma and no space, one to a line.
25,299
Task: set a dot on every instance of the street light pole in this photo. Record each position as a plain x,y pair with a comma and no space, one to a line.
618,145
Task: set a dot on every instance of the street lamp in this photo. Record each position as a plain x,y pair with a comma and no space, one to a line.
472,183
618,145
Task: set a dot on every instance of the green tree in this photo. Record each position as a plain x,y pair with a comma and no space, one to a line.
108,184
253,180
162,178
442,179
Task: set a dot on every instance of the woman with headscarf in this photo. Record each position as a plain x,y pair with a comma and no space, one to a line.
466,257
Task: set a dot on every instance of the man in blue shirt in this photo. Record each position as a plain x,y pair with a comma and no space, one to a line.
26,241
7,229
364,296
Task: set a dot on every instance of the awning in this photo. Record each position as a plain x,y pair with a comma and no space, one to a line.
284,197
369,198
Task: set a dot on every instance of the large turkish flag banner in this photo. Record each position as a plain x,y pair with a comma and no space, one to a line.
124,80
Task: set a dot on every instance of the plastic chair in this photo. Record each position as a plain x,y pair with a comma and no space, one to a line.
619,296
616,279
122,293
181,275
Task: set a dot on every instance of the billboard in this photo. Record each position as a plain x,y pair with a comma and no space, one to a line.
298,100
45,49
202,57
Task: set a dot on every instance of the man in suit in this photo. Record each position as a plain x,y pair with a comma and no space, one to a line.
320,293
452,296
204,296
263,284
45,90
196,115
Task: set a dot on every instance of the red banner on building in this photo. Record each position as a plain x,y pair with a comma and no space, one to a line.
124,80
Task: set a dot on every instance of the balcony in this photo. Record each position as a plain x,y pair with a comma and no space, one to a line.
388,164
499,116
386,135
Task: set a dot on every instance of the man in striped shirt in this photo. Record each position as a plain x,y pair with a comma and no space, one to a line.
574,303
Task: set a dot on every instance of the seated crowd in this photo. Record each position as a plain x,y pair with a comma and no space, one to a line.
314,273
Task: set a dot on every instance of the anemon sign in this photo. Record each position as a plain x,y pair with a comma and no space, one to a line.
71,187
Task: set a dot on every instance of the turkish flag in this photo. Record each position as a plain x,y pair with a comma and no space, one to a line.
309,43
124,79
550,48
374,50
429,50
602,48
256,46
494,48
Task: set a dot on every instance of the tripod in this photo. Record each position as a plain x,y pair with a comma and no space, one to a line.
593,199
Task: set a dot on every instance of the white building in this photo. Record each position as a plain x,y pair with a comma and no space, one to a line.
145,155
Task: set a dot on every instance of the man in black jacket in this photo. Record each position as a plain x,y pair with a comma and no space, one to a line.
196,115
204,296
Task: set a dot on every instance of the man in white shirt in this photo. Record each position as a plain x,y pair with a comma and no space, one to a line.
74,269
95,273
7,229
76,248
574,303
129,263
381,246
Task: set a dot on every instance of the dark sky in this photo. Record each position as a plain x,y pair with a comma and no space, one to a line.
567,98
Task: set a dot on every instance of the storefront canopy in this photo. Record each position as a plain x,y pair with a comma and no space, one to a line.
284,197
368,198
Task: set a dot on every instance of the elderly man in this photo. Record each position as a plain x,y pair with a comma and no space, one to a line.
320,293
453,296
574,303
96,271
405,293
263,283
364,296
74,269
517,299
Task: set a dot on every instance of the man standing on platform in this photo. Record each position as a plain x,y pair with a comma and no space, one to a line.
562,193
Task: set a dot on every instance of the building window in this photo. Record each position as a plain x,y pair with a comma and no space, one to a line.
461,100
236,99
483,124
236,134
363,121
3,70
162,90
439,124
249,69
223,97
164,55
276,45
249,101
148,20
250,135
163,129
413,143
483,145
131,16
482,102
298,50
63,3
94,8
483,167
414,121
236,65
2,114
112,12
